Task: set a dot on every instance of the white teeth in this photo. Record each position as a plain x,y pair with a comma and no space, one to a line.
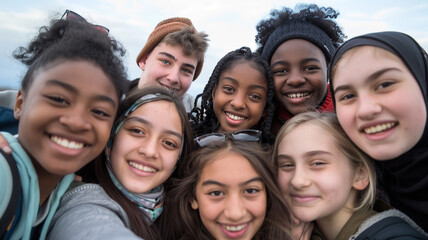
379,128
297,95
141,167
234,117
66,143
234,228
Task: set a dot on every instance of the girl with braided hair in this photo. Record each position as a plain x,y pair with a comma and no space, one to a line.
298,45
238,96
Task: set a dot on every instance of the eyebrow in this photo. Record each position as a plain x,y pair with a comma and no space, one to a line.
371,78
173,58
145,122
307,154
213,182
74,90
306,60
252,86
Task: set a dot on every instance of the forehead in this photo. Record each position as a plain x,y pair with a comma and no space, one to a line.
297,48
366,60
245,73
160,113
228,166
175,50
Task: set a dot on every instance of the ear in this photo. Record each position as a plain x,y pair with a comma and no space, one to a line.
361,178
194,204
213,92
19,102
142,62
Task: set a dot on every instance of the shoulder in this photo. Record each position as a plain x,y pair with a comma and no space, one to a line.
87,212
390,224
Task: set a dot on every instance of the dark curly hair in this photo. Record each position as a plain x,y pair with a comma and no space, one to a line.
73,40
204,119
321,17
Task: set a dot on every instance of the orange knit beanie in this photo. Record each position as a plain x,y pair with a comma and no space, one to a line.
161,30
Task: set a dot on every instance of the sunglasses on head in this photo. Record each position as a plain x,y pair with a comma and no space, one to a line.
70,15
246,135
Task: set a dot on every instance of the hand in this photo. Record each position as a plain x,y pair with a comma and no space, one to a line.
4,145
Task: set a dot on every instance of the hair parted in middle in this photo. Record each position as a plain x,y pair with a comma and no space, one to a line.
204,119
278,215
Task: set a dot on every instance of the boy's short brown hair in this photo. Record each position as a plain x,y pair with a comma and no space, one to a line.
178,31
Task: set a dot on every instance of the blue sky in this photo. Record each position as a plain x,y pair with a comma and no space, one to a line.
230,24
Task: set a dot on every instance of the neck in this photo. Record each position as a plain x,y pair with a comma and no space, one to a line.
331,225
47,181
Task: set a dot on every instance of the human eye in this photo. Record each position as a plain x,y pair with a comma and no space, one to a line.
317,163
280,71
228,89
188,70
255,97
384,85
56,99
216,193
311,68
170,144
251,190
166,62
101,113
346,96
286,166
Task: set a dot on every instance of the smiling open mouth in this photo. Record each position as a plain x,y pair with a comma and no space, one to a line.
141,167
234,117
379,128
297,95
67,143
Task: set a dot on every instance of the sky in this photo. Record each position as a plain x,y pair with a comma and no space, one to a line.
230,24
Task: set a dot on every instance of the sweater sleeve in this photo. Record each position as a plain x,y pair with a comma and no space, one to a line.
87,212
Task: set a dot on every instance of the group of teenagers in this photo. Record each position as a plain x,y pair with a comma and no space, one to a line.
307,137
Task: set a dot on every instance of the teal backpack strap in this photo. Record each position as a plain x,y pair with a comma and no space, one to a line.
12,194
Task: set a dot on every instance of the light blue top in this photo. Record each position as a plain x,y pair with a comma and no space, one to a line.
30,192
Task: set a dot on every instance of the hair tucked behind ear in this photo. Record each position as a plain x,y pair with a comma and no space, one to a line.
204,119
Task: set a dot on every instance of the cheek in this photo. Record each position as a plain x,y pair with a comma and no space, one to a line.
283,182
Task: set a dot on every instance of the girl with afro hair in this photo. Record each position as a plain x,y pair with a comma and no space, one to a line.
298,45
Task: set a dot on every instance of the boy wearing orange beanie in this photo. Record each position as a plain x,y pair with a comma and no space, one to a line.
172,56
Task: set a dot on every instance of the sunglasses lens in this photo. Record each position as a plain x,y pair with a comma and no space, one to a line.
208,139
102,29
247,135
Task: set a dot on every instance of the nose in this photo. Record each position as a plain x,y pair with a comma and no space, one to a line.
174,76
368,107
238,101
76,119
300,179
295,78
235,209
149,148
